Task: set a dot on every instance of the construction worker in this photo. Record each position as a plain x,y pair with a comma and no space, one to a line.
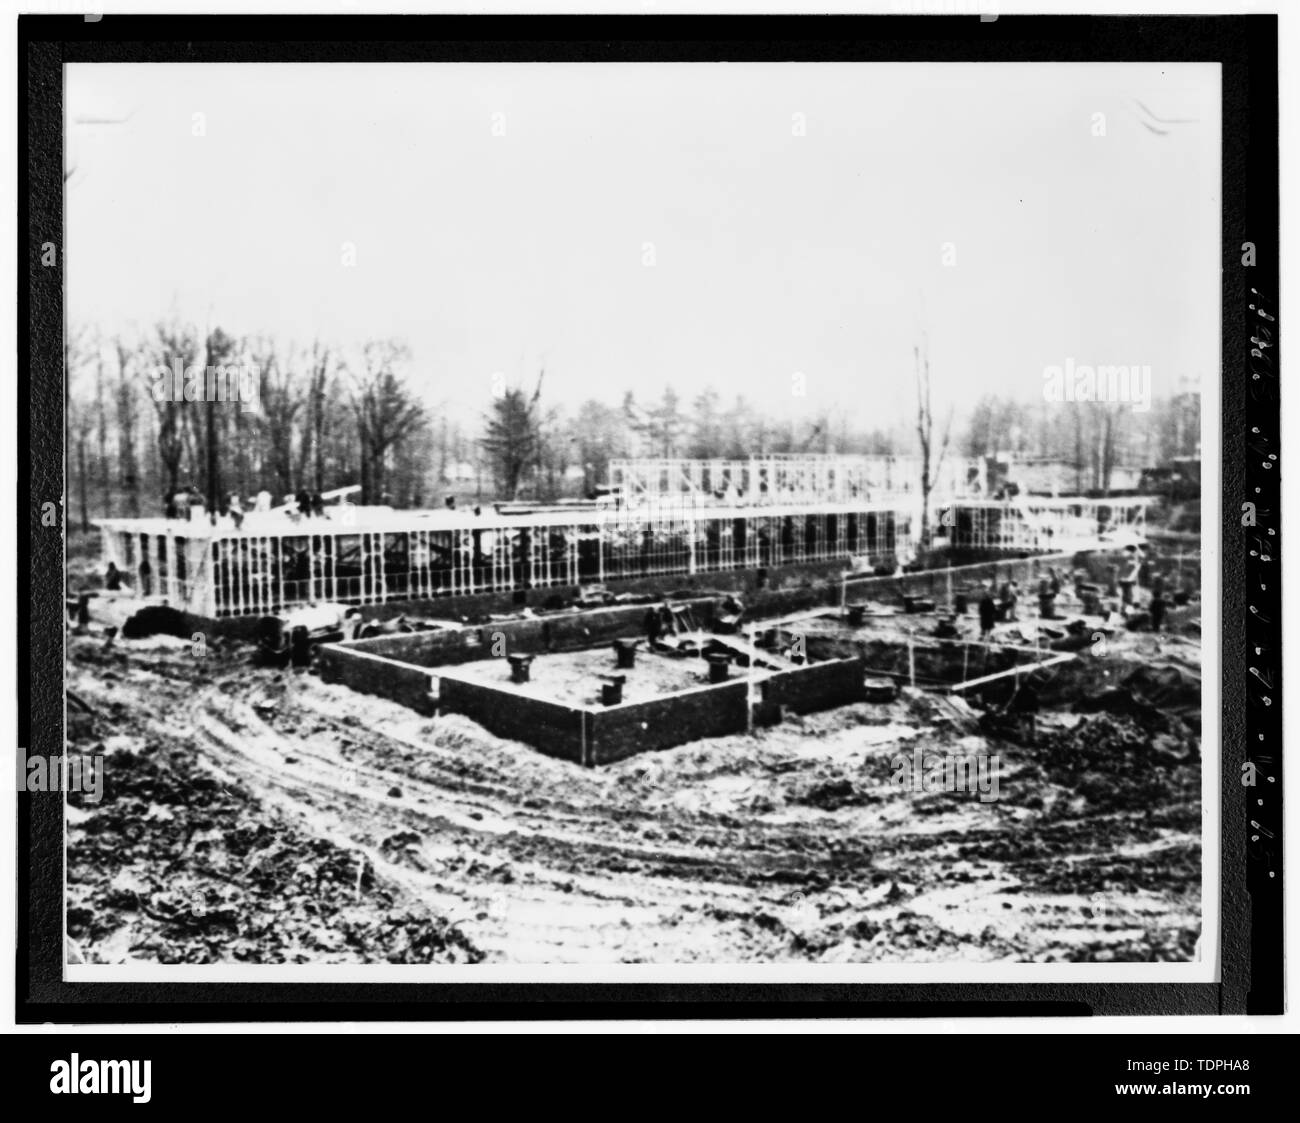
178,504
1009,599
1157,608
987,608
668,623
1046,598
1157,584
1128,577
652,625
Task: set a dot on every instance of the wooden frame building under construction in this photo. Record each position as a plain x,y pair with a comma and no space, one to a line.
662,518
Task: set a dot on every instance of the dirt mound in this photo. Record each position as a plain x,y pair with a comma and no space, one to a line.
156,620
1115,762
1160,697
1169,688
176,866
831,795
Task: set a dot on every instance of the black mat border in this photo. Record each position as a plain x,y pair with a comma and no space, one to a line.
1246,46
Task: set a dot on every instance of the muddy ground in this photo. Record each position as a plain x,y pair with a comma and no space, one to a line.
260,815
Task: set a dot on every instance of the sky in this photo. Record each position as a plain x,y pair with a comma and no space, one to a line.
632,226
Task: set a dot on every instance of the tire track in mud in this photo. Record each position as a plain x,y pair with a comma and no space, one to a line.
655,859
473,860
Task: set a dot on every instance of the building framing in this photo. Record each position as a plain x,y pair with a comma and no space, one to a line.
671,518
789,478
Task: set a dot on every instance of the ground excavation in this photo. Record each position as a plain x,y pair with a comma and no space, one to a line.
256,814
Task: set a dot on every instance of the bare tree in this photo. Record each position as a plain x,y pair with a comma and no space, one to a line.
312,451
78,419
101,432
126,402
176,347
1110,421
282,402
930,463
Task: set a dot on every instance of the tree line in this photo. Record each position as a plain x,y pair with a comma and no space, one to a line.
325,418
319,419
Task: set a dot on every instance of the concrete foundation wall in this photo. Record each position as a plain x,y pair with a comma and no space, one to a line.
372,674
555,729
637,727
818,686
599,735
561,632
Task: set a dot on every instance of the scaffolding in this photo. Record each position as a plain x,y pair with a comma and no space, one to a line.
1044,525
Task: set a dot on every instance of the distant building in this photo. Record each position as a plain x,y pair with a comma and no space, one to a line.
1045,475
1178,478
460,472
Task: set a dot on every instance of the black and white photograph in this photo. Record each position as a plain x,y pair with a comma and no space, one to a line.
556,517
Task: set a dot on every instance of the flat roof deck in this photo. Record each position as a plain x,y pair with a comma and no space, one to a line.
370,520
